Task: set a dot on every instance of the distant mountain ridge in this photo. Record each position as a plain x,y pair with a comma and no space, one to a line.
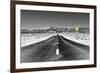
53,29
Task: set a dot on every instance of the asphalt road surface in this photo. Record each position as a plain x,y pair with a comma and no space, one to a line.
46,50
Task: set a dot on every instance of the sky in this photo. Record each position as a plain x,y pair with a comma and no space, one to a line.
31,19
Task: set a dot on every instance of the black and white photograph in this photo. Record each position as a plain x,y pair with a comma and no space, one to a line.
54,36
51,36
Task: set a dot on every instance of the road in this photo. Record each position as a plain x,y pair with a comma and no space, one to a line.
46,50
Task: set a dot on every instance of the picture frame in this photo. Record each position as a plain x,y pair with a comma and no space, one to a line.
71,26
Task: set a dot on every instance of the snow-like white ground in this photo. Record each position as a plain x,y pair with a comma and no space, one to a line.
82,38
27,39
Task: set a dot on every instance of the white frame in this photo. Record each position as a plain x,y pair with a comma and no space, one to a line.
59,63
